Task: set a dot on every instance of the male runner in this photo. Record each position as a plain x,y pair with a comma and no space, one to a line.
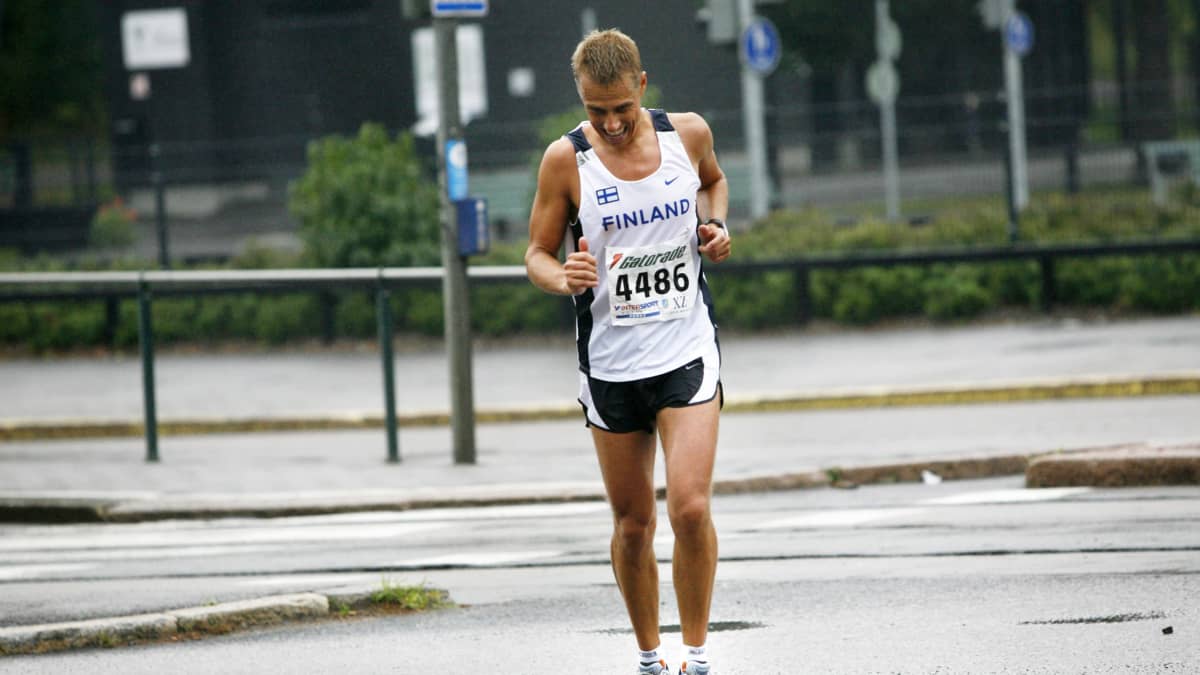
644,199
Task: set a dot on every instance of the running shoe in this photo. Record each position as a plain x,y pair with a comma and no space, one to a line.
693,668
660,668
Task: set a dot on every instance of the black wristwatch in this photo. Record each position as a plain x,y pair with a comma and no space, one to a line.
715,221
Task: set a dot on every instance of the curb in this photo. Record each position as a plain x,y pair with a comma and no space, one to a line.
1177,384
36,510
1118,467
217,619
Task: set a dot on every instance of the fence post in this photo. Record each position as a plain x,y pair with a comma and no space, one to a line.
383,311
160,205
800,274
1049,284
146,338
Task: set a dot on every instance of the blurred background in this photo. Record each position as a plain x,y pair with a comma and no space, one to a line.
232,125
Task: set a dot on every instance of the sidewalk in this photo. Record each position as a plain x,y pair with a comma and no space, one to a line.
802,408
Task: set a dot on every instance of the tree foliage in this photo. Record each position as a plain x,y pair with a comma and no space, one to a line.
50,67
366,201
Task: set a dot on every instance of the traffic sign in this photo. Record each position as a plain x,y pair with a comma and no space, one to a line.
1018,33
883,82
888,40
456,168
458,8
760,46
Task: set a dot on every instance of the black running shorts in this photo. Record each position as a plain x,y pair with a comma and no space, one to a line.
624,407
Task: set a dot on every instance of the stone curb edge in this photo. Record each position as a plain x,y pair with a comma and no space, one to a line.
217,619
1177,384
37,510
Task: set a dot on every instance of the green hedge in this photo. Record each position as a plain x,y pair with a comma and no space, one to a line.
942,292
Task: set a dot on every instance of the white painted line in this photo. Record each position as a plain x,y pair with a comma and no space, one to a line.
215,536
481,559
133,554
312,580
34,571
506,512
1016,496
840,518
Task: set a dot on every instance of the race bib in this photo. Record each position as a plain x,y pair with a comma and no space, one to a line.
650,283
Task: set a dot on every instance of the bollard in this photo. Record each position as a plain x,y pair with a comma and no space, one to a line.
383,310
146,339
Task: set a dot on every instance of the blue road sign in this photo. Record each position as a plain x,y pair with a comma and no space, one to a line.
1018,33
467,8
760,46
456,169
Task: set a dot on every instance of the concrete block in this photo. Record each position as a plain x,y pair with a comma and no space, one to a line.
228,616
1118,467
108,632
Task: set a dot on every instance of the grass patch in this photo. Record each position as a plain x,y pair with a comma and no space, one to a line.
412,598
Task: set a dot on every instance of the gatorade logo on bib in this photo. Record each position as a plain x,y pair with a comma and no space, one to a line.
650,283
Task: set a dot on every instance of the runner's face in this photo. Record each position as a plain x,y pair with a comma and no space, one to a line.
613,109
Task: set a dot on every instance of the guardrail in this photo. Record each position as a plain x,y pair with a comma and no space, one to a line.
143,285
21,287
1045,255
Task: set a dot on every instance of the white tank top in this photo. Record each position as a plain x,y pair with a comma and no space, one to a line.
652,311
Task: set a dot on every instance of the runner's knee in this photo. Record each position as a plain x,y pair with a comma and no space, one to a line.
689,515
635,532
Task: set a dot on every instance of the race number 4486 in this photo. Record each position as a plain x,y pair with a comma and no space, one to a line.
650,283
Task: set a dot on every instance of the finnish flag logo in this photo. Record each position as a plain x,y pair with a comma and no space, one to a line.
607,195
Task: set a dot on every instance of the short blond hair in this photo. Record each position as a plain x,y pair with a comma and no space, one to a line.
606,56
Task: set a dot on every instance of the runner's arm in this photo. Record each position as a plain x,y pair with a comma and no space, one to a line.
712,198
553,208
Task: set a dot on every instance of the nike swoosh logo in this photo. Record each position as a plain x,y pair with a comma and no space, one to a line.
668,182
690,366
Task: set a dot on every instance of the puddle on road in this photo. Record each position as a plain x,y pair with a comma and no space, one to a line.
713,627
1112,618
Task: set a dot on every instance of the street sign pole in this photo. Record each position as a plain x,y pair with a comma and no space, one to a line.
1014,90
753,121
455,299
887,44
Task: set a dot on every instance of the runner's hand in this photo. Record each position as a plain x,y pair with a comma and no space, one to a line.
715,243
580,268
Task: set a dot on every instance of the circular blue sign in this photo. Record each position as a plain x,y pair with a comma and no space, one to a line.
761,47
1018,33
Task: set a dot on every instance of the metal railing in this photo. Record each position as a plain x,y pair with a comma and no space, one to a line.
142,285
22,287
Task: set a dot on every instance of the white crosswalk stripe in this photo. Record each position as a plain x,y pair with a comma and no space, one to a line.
1007,496
480,559
15,572
838,518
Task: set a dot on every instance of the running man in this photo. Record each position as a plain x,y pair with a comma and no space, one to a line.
643,198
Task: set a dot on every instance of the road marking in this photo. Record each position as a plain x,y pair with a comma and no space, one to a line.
481,559
121,538
13,572
1020,495
839,518
135,554
503,512
323,580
